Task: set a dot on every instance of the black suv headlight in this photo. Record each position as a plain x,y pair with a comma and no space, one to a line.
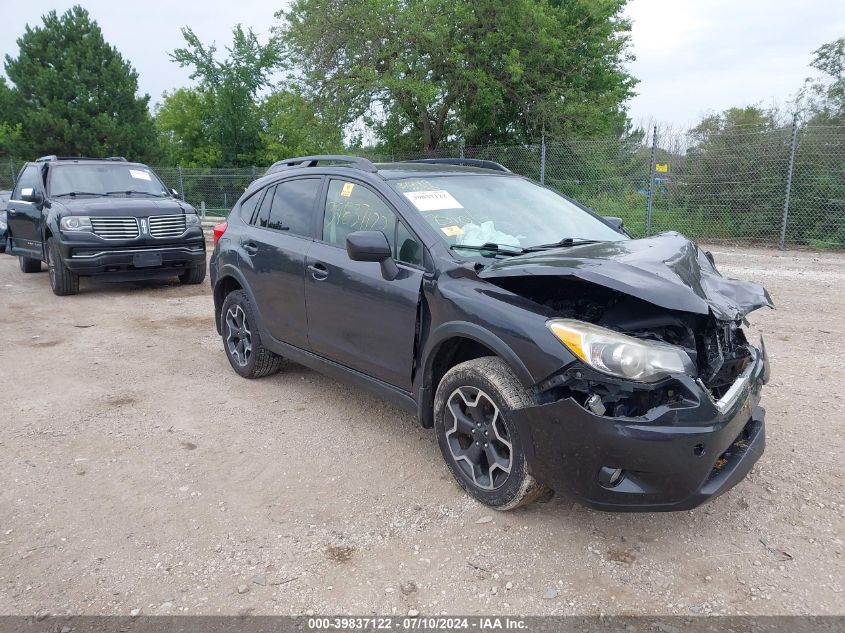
620,355
73,223
192,219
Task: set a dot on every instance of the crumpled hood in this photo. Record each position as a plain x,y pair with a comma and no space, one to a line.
667,270
114,206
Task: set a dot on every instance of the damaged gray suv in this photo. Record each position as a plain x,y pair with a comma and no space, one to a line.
548,350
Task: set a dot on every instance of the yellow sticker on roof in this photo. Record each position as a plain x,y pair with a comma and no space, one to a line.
346,192
433,200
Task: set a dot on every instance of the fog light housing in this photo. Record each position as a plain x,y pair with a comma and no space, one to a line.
610,477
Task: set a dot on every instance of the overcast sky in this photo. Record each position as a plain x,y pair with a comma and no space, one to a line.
693,56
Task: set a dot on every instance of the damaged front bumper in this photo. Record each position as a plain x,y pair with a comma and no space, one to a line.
671,458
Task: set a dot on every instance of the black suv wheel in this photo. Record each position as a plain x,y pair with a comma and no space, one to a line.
62,280
241,340
29,264
195,275
479,442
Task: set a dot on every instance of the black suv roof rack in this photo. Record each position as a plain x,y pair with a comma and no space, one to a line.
466,162
311,161
53,157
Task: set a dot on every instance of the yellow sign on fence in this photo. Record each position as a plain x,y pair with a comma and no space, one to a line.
663,168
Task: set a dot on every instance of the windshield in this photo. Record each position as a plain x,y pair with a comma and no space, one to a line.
505,211
101,180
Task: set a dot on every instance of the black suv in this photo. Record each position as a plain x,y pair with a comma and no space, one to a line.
105,217
548,349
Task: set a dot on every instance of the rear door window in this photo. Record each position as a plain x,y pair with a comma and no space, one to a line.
292,207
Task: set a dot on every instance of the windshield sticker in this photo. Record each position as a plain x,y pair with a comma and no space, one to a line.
452,231
434,200
140,175
346,192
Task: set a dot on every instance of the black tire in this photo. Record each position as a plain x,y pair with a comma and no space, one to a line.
484,385
29,265
258,361
194,275
63,281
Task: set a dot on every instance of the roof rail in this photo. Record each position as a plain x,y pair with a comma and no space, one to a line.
311,161
466,162
53,157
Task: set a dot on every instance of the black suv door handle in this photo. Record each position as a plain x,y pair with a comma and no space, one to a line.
319,271
251,248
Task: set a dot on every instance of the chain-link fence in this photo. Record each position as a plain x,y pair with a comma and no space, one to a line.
762,185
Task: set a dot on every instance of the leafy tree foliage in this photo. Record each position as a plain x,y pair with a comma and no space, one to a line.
229,89
290,126
736,170
10,126
485,71
825,96
75,93
184,120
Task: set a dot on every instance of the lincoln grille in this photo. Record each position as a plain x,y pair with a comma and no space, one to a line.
167,225
115,228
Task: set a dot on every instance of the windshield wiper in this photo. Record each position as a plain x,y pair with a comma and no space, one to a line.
130,192
78,193
490,247
564,243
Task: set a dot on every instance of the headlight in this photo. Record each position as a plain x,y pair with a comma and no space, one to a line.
621,355
73,223
192,219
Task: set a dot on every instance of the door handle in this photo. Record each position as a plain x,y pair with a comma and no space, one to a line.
250,247
318,271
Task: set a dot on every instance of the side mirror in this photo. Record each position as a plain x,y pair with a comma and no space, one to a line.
174,193
616,223
28,194
372,246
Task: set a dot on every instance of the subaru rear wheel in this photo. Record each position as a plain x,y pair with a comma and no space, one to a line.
242,340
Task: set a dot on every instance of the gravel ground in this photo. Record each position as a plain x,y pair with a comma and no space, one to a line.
140,473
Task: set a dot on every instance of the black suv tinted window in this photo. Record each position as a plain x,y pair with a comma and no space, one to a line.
28,180
291,206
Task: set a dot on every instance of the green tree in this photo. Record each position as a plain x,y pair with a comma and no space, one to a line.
10,123
825,96
78,95
183,120
232,86
731,181
290,126
483,71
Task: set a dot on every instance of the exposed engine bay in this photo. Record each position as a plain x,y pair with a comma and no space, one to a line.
718,348
662,289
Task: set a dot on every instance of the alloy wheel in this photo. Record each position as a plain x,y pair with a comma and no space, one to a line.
478,439
238,335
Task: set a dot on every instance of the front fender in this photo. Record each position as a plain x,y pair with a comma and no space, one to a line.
466,329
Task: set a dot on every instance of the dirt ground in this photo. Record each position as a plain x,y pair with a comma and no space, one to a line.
138,472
